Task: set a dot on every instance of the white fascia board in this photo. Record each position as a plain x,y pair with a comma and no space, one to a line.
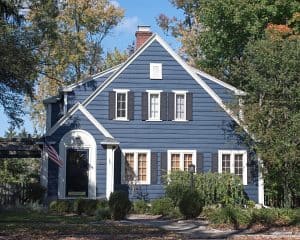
118,72
85,112
198,79
218,81
93,77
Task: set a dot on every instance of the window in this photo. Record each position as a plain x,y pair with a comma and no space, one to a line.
121,104
136,166
179,160
180,105
234,161
155,71
154,105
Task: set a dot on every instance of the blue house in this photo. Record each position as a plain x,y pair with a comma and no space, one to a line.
128,126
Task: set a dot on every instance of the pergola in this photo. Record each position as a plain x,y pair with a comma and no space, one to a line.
20,148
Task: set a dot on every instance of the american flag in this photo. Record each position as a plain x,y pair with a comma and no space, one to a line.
53,155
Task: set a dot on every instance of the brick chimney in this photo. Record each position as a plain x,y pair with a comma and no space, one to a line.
142,35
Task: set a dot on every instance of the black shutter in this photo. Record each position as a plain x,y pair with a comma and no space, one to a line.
163,166
189,106
214,167
170,106
130,105
200,159
163,106
144,106
154,168
112,105
249,165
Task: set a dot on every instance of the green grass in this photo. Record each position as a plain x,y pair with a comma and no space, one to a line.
34,225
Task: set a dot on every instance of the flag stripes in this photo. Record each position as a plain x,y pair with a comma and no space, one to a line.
53,155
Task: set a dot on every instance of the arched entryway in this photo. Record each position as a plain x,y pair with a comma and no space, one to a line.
77,177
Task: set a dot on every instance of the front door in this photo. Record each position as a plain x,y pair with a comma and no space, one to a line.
77,173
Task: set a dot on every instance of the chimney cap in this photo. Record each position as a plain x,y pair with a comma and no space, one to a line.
144,28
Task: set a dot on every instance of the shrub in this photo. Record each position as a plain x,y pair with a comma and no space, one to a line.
102,203
103,213
250,204
60,206
141,207
119,205
213,188
229,214
162,206
86,206
190,204
264,216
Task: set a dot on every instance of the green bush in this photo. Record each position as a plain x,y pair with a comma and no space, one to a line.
86,206
103,213
119,205
190,204
60,206
162,206
141,207
250,204
229,214
213,188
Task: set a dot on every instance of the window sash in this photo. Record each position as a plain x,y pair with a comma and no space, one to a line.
179,160
136,166
121,105
154,106
235,162
180,106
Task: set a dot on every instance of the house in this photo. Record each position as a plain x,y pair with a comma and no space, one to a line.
131,124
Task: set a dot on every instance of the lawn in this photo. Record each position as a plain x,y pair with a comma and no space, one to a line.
32,225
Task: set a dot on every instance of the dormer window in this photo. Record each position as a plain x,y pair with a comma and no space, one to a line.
155,71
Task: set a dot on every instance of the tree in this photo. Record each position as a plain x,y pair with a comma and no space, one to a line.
71,49
214,33
269,72
18,65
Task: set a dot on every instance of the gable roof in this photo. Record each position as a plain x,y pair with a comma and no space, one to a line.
72,111
194,73
69,88
236,91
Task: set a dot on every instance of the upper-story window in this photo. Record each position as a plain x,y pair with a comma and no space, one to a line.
180,105
121,104
155,71
154,105
234,161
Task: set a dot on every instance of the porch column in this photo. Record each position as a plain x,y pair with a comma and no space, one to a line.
261,191
110,166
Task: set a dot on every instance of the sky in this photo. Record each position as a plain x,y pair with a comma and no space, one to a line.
137,12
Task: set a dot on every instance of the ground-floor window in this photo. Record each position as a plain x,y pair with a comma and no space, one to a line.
77,173
234,161
136,166
180,160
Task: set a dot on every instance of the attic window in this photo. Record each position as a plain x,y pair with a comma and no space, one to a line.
155,71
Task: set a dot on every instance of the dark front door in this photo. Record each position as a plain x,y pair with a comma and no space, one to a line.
77,179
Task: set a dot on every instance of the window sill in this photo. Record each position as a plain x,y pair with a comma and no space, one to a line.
120,119
154,120
179,120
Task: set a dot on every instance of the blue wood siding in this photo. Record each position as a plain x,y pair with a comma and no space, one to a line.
79,121
81,92
208,132
224,93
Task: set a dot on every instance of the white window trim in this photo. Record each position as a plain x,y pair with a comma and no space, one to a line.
149,103
177,92
232,153
182,152
153,75
136,152
121,91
